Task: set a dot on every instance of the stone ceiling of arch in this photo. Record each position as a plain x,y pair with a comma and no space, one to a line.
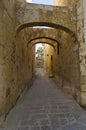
40,33
34,33
30,13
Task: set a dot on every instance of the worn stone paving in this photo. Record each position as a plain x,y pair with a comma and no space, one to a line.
45,107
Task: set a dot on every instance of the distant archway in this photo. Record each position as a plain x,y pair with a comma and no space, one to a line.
41,38
38,42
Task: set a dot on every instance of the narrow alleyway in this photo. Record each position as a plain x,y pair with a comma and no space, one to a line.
45,107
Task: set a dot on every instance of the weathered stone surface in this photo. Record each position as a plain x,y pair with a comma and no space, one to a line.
17,50
66,63
81,39
49,60
49,109
15,65
62,17
81,36
7,27
40,33
65,2
84,3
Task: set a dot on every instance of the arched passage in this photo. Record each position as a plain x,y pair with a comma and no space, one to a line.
67,40
68,47
47,40
55,26
43,14
38,42
69,27
41,38
16,58
40,60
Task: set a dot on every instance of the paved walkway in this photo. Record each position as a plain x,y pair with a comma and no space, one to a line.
46,107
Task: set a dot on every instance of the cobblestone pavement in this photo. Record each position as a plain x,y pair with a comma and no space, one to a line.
45,107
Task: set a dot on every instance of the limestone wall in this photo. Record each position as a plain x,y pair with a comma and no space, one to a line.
64,2
84,5
81,39
49,59
65,63
7,27
40,15
67,66
24,62
16,59
81,42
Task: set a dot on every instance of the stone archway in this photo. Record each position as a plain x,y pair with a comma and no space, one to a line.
28,14
42,24
41,38
41,41
68,25
16,17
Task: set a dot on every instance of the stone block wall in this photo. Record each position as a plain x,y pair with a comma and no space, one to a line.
24,62
84,4
16,59
67,64
49,59
81,39
7,27
64,2
81,42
